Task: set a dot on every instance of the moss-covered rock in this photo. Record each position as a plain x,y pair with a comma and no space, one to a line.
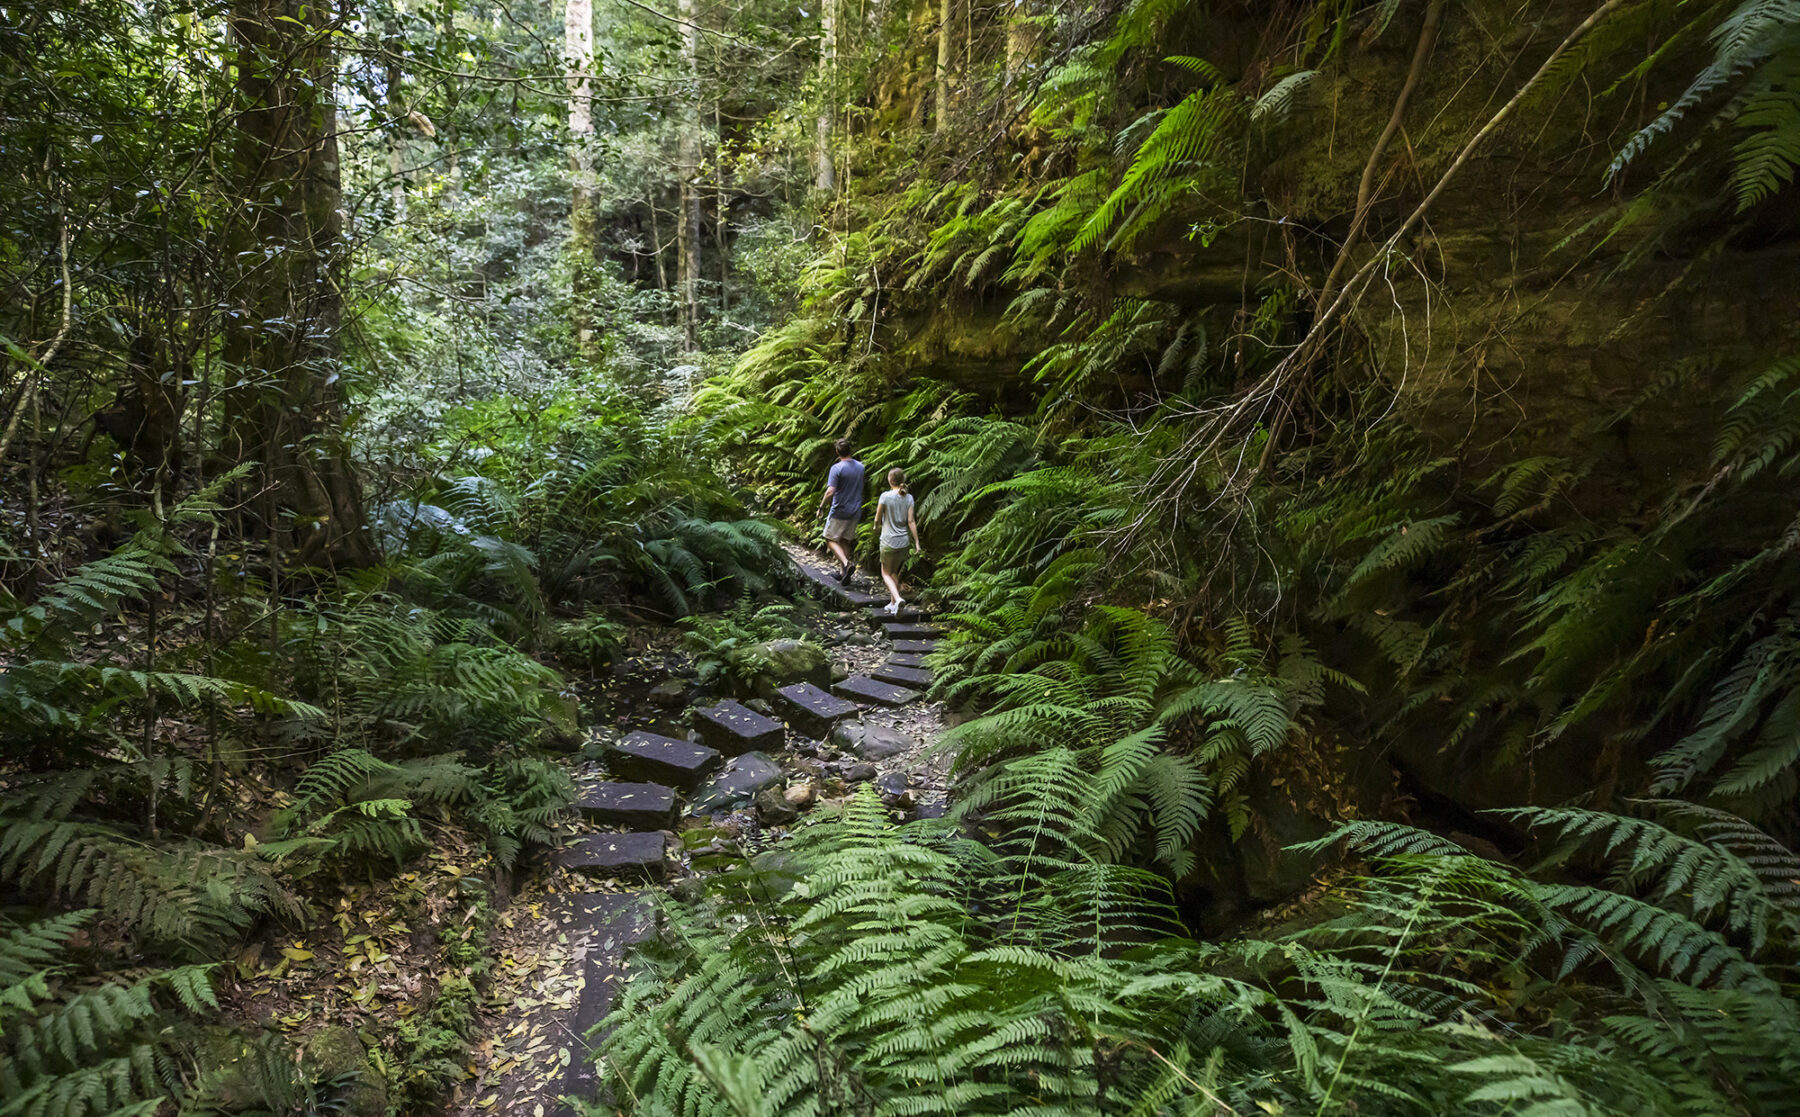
784,662
335,1054
562,723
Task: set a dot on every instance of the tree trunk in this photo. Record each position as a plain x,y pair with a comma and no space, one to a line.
721,212
662,270
281,335
946,57
824,172
396,134
687,221
1021,45
578,45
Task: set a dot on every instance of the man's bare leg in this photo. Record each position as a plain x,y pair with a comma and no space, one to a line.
841,549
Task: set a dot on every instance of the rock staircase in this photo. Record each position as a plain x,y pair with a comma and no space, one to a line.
651,775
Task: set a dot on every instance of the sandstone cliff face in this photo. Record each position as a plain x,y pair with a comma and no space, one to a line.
1510,315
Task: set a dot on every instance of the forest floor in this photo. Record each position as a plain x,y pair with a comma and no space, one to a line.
546,944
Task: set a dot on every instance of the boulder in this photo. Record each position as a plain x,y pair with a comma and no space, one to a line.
791,661
773,808
893,783
335,1052
870,741
737,783
562,723
859,773
669,694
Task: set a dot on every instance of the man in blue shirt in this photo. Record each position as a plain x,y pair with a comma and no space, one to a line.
843,499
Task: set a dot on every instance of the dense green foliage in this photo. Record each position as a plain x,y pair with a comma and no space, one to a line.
1356,443
1208,554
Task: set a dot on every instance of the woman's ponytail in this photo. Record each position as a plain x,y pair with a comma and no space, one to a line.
897,478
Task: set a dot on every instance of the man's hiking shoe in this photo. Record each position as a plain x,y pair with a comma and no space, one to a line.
843,575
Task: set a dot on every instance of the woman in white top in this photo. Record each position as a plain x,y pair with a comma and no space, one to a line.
899,531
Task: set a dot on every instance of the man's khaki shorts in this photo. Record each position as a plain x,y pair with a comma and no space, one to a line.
840,529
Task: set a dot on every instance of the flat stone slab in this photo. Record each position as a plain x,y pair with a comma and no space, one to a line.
633,856
901,630
737,783
826,579
902,676
915,647
859,688
906,659
812,710
665,760
642,806
879,616
610,921
734,729
870,741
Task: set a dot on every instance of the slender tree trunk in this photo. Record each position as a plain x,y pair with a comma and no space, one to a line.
578,45
656,244
824,172
453,97
1021,45
396,135
687,223
946,58
281,336
721,211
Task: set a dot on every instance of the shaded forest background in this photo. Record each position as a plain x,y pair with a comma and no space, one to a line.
1356,441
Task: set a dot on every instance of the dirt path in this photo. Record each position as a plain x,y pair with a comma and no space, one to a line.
559,945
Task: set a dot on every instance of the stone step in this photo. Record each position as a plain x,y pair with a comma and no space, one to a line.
902,676
644,806
858,688
664,760
734,728
812,710
914,647
901,630
736,784
609,922
879,616
634,856
825,581
906,659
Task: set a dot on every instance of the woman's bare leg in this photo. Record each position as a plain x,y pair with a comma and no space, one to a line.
893,584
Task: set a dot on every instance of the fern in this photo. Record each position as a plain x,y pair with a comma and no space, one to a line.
72,1045
1756,57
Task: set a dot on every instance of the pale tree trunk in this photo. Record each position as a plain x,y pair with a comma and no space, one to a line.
687,221
662,271
453,159
721,212
1021,44
281,337
824,173
396,137
578,46
946,58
